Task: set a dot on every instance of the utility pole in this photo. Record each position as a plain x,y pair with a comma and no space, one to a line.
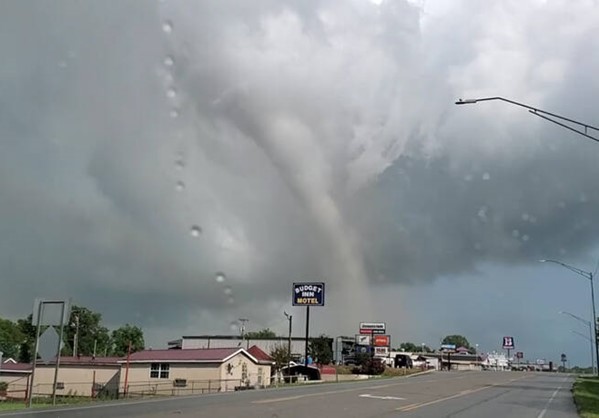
76,338
290,319
242,321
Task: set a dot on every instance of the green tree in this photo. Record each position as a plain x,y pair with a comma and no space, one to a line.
124,335
27,329
320,349
457,340
280,355
409,347
91,334
262,334
11,338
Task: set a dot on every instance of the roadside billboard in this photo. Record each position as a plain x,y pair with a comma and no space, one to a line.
373,328
381,351
362,339
308,294
381,340
508,343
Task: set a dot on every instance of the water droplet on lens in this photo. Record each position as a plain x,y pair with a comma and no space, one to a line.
62,64
174,113
525,216
196,231
169,61
468,177
525,238
486,176
234,326
179,164
231,300
167,26
228,290
220,277
515,233
171,93
180,186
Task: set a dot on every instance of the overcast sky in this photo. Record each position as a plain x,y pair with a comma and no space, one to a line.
146,147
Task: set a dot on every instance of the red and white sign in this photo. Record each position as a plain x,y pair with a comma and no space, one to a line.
372,328
381,351
381,340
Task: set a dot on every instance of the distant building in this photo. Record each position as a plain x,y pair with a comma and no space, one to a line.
267,345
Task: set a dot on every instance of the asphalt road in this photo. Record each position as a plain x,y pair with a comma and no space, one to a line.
440,394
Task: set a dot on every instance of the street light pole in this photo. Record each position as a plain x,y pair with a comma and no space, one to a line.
290,319
542,114
588,275
590,337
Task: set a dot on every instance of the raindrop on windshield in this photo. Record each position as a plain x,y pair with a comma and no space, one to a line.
525,217
515,233
174,113
228,290
525,238
220,277
167,26
486,176
231,300
180,186
196,231
169,61
234,326
179,164
171,93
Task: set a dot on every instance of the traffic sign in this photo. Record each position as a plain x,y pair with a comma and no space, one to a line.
48,345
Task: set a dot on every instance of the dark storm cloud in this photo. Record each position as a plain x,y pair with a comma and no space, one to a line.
308,140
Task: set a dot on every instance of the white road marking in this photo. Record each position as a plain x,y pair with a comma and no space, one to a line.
387,398
544,411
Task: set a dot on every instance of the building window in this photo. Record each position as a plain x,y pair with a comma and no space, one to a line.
59,385
180,383
159,370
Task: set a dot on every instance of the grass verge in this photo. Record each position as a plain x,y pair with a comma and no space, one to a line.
586,396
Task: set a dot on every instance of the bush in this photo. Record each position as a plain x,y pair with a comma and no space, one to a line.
370,366
3,386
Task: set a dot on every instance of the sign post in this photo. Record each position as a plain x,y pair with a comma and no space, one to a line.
508,344
308,294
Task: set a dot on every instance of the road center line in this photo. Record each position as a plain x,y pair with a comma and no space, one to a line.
457,395
332,392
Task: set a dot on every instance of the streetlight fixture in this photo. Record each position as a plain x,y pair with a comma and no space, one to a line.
551,117
590,337
589,276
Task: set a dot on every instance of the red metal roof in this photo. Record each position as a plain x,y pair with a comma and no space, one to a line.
88,360
215,355
15,367
260,354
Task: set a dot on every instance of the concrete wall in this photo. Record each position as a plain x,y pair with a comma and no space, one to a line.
77,380
17,383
